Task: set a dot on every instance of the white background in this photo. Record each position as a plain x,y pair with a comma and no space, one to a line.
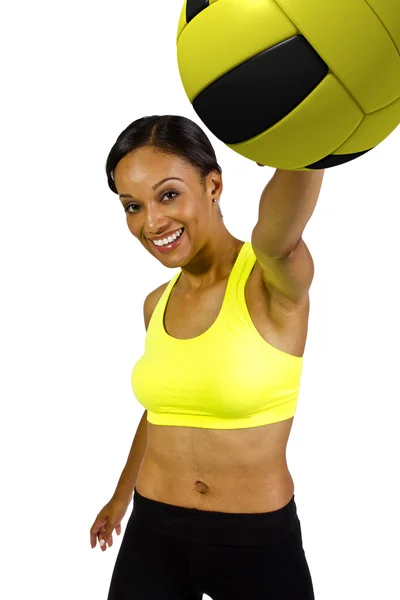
73,282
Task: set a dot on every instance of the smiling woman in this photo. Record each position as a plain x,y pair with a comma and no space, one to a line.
219,380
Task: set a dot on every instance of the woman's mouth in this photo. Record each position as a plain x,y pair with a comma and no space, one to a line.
174,244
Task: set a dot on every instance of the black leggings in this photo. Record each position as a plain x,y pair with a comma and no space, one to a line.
172,552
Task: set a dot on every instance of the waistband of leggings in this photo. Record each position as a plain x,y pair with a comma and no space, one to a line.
192,524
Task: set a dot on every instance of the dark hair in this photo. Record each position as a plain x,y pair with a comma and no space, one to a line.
170,134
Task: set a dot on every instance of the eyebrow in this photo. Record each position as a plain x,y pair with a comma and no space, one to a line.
154,186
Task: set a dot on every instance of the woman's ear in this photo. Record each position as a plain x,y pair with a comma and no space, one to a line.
215,184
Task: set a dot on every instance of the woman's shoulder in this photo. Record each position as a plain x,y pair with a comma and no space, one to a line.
151,302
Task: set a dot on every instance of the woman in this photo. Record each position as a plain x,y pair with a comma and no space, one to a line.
214,508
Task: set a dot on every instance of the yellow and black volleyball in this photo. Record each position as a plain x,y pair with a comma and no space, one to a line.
293,84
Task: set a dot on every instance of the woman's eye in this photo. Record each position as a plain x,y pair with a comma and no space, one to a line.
127,209
166,194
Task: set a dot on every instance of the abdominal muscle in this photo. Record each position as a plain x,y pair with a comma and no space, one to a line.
236,471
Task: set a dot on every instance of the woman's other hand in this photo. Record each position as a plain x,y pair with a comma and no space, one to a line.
108,519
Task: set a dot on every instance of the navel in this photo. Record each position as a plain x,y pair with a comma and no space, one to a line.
201,487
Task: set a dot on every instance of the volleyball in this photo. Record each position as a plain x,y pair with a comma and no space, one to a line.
293,84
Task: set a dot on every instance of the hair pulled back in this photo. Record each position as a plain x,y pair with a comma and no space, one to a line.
170,134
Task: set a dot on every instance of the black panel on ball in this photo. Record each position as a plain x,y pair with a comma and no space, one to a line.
194,7
333,160
260,92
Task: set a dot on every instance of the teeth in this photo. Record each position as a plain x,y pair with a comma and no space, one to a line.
168,240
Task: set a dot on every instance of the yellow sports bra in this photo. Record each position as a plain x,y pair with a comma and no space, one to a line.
228,377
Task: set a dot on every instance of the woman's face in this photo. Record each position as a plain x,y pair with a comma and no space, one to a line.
162,193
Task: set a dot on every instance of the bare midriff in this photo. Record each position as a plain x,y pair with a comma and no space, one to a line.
236,471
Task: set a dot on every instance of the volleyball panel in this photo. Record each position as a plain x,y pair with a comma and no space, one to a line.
373,129
190,10
351,39
388,12
297,141
194,8
181,22
261,91
334,160
226,34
